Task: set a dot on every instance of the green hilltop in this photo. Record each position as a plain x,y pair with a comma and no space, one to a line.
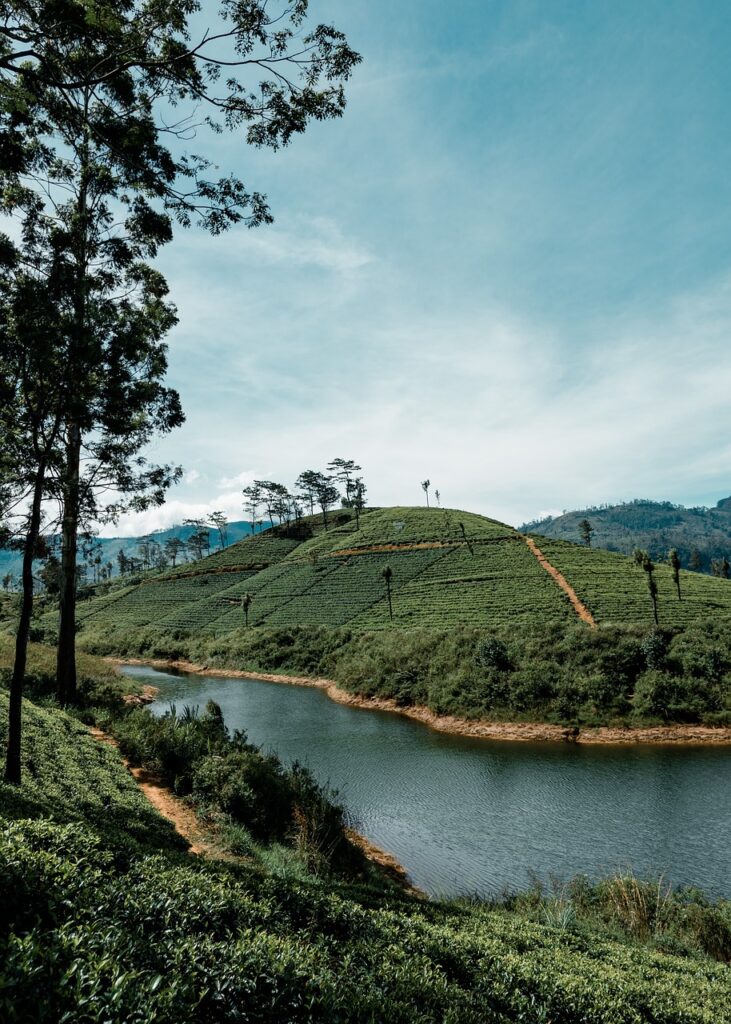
448,568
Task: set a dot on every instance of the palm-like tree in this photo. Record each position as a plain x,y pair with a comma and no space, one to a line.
388,576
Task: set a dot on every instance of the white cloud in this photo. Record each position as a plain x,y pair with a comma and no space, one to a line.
501,414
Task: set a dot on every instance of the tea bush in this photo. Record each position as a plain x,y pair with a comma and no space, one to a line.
106,919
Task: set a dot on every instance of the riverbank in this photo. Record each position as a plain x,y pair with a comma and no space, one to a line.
535,732
202,843
95,886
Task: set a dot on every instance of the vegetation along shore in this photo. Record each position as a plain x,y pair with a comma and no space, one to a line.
283,912
510,731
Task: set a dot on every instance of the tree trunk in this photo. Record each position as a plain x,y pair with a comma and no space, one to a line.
66,658
15,708
390,606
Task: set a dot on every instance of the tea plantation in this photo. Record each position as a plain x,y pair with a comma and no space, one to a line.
448,568
106,919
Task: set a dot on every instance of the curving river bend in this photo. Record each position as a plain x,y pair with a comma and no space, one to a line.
468,816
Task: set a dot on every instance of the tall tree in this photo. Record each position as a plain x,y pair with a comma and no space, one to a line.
425,485
199,539
586,531
343,471
219,521
358,499
32,393
174,547
643,560
245,605
388,577
674,563
252,501
695,562
308,482
326,494
82,88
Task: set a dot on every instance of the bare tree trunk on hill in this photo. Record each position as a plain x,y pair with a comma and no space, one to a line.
15,709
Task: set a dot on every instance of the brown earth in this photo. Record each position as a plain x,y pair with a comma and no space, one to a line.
536,732
167,804
186,823
581,610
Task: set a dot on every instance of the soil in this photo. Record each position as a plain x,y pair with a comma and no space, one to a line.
187,825
581,610
164,801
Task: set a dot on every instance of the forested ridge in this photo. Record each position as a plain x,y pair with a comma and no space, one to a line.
702,536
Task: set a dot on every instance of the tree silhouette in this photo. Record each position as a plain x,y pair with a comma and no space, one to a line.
219,521
245,605
643,560
307,482
388,576
674,563
425,485
173,547
252,494
358,499
586,531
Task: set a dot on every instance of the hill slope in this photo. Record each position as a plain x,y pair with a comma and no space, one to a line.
121,926
448,569
12,561
656,526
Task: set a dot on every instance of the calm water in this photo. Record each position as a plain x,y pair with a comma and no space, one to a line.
473,816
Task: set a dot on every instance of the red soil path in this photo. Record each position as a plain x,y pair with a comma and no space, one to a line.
579,607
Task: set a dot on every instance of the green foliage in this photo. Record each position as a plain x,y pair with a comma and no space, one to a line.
699,535
106,920
651,912
155,940
227,776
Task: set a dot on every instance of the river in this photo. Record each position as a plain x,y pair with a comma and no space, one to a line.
467,816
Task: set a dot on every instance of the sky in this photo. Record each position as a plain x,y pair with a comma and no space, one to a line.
506,269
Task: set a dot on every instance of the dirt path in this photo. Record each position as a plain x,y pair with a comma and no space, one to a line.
183,818
579,607
186,824
533,732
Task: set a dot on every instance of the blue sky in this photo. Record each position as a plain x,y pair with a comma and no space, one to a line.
507,269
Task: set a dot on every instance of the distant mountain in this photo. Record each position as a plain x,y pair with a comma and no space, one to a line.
655,526
11,561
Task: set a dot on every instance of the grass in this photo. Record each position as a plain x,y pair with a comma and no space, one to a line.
558,672
449,568
319,606
106,919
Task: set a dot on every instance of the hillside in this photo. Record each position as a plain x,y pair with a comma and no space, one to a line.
448,569
101,902
652,525
11,561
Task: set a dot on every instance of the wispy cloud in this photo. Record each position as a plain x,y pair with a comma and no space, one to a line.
506,269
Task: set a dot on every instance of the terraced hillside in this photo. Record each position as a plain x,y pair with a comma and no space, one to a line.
448,568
